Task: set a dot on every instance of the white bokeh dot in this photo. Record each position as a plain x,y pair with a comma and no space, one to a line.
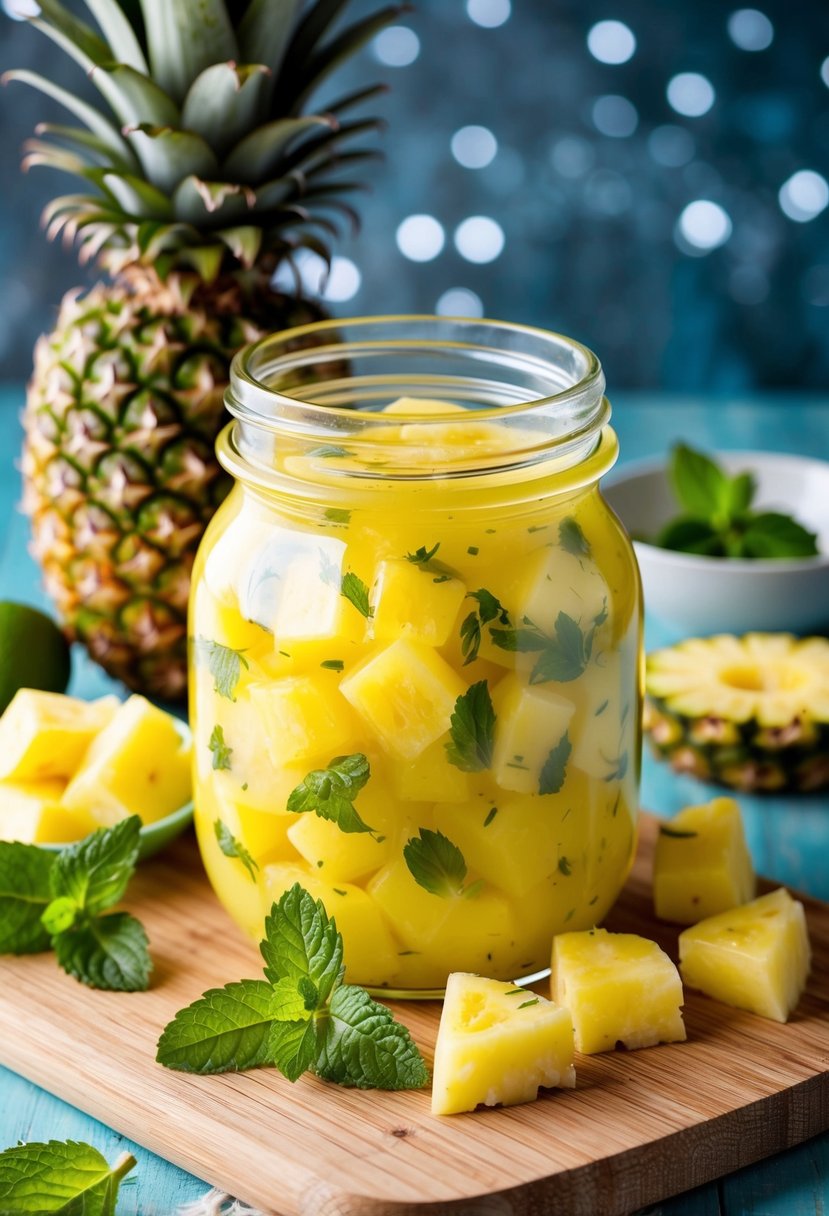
571,156
804,195
489,13
396,47
702,226
343,282
824,71
671,146
336,284
420,238
690,94
474,147
479,239
459,302
20,9
611,42
750,30
614,116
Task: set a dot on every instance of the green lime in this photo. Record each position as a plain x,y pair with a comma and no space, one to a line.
33,652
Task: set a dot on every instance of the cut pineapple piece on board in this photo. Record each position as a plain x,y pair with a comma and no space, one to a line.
498,1044
138,765
302,717
755,957
620,988
31,812
530,721
45,735
702,865
369,950
411,600
406,694
431,777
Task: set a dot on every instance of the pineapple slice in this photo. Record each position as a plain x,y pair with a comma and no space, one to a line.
137,765
530,721
756,957
620,988
370,951
302,717
498,1044
413,602
31,812
430,778
44,735
702,865
406,694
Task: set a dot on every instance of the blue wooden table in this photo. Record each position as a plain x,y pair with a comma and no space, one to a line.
789,838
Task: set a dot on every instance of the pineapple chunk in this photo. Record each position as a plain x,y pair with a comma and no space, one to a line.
45,735
264,835
370,952
238,889
421,405
31,812
219,618
516,850
620,988
406,694
430,778
302,717
530,721
345,856
756,957
606,722
311,606
702,865
554,581
498,1044
413,602
137,765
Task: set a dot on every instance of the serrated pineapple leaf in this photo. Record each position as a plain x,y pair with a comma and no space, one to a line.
95,871
97,122
168,156
110,952
81,139
118,32
207,204
52,156
134,98
244,242
226,1030
363,1046
184,37
225,102
339,49
59,1178
266,30
76,37
25,892
301,941
356,98
262,151
314,25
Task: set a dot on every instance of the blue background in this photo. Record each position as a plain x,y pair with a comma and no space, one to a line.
589,219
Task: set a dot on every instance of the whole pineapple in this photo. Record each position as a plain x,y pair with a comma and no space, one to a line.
200,177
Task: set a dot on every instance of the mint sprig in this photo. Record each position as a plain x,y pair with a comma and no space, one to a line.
60,1178
572,539
472,730
301,1017
489,609
231,847
355,591
717,520
562,657
330,792
224,664
63,900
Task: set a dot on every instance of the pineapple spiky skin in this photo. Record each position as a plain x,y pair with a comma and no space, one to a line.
750,713
120,474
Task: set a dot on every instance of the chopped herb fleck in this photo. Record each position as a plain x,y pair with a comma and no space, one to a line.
337,515
221,751
572,539
526,1004
473,550
490,816
515,992
675,833
329,451
601,709
565,867
538,528
570,915
339,891
332,664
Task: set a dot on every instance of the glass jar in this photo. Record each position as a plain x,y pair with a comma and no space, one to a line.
416,641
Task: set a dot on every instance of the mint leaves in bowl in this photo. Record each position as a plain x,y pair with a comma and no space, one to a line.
730,543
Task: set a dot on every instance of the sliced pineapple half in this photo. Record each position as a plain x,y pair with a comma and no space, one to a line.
498,1044
748,712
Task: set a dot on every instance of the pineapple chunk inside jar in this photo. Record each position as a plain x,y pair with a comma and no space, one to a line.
436,708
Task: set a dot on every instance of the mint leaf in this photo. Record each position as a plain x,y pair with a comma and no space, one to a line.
231,847
109,952
355,591
741,491
772,535
301,942
228,1029
489,609
224,664
435,863
25,893
329,451
329,572
425,559
572,539
565,656
421,556
687,535
221,751
521,640
701,486
294,1046
330,792
364,1047
60,915
554,769
472,730
95,871
59,1179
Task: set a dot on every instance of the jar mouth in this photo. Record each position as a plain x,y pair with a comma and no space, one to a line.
512,394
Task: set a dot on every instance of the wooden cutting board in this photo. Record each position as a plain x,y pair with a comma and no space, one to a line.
639,1127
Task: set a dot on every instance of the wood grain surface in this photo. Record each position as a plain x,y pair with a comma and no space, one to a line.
639,1127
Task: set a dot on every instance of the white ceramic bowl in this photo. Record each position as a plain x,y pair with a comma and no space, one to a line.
704,595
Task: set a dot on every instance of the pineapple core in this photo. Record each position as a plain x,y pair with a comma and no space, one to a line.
755,957
702,865
620,988
498,1044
